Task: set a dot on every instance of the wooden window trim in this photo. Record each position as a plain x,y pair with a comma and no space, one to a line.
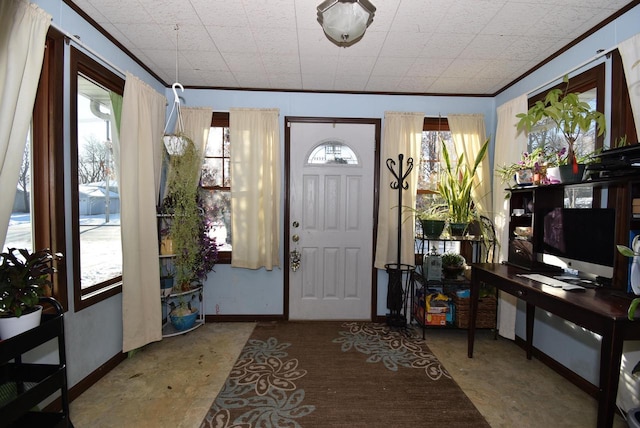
592,78
83,64
622,121
48,159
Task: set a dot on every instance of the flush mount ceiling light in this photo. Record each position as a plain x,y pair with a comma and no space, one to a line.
345,21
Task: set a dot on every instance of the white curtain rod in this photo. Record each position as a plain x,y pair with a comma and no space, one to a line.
79,42
599,55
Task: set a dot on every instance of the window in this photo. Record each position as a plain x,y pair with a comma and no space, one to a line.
37,219
95,206
590,85
332,152
215,184
435,131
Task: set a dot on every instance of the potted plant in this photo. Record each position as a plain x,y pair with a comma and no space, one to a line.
530,169
24,278
452,265
571,117
455,186
195,253
431,213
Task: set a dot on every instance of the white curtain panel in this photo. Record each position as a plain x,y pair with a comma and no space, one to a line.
508,149
630,53
468,132
143,112
255,187
509,146
197,123
402,135
23,31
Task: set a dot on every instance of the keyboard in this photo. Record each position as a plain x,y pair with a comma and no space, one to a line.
552,282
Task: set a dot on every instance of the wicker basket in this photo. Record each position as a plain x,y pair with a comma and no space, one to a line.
486,316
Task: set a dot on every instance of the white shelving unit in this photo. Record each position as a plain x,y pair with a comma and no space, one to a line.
194,296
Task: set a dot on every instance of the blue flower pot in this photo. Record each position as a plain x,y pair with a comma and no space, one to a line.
183,322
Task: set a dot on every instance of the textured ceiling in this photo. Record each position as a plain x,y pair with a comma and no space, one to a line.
412,46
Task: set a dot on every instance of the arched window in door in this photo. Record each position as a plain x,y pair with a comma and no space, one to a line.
332,152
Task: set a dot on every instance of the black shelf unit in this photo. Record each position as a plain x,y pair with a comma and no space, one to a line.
445,285
33,383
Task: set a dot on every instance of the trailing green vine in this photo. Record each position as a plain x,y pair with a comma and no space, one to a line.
182,199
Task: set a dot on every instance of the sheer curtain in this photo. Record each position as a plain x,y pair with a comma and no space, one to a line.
509,146
468,132
23,30
197,123
630,53
143,112
402,135
255,187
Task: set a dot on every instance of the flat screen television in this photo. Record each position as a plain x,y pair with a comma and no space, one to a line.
581,239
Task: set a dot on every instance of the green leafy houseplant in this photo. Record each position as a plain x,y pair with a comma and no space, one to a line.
570,116
456,184
452,260
452,265
24,278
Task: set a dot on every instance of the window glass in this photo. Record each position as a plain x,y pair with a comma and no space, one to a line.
20,232
95,202
332,153
435,132
216,188
545,134
98,198
430,164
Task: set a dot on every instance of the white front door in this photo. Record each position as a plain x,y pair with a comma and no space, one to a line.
331,220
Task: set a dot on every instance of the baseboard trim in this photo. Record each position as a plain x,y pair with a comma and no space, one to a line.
563,371
243,318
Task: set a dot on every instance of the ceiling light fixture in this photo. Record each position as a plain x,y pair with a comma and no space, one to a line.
345,21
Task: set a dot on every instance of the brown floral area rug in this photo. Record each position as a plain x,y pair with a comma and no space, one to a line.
339,374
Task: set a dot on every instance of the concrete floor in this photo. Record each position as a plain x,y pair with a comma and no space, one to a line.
172,383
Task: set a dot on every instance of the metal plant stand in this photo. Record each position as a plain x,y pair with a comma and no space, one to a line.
400,275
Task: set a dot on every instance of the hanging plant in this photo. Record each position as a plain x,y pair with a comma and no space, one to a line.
182,200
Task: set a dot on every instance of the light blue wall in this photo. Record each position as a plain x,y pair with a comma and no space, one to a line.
240,291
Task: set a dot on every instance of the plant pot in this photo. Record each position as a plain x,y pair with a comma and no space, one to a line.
564,174
183,322
452,272
524,177
432,228
457,229
13,326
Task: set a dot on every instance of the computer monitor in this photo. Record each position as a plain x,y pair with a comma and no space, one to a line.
581,239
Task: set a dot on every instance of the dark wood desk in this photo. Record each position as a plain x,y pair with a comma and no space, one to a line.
601,311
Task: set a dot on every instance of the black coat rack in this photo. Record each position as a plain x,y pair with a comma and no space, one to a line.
397,291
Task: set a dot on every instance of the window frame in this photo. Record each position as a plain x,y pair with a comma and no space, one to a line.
47,161
220,120
589,79
83,64
433,124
